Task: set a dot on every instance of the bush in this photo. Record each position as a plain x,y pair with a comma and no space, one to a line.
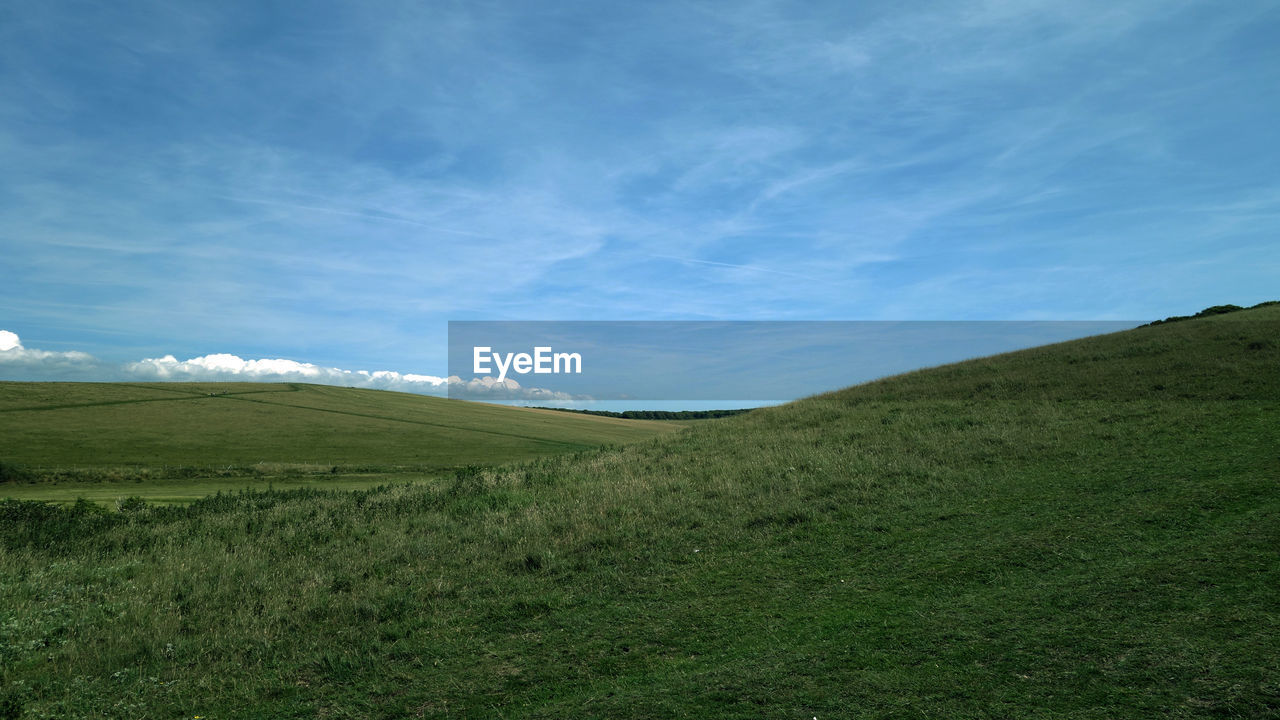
131,505
1214,310
9,472
25,523
11,702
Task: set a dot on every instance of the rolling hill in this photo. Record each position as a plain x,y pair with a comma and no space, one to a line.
1084,530
179,441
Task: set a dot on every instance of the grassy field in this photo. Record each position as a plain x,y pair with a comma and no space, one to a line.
176,442
1087,530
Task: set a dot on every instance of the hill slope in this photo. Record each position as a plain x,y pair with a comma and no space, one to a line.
186,440
109,424
1086,530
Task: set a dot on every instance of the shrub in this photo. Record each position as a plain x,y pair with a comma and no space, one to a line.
10,472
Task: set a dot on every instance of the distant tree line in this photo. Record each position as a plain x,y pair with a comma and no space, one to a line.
656,414
1215,310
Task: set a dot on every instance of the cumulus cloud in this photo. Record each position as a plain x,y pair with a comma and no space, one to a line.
226,367
490,388
20,363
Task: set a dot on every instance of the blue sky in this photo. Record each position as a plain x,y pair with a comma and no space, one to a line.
332,182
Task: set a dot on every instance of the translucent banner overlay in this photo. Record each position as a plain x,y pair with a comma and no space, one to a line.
632,364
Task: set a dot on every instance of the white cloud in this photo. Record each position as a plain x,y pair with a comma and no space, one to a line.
225,367
14,358
21,363
491,388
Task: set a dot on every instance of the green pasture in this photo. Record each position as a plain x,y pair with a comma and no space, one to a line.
1086,530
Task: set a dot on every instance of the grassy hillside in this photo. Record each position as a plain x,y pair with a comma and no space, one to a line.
179,441
1088,530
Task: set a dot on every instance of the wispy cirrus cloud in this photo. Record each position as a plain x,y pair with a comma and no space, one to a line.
337,183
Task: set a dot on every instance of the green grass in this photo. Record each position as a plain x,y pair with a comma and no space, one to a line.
1088,530
168,491
176,442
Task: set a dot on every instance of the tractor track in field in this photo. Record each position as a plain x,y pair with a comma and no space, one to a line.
191,395
185,395
559,443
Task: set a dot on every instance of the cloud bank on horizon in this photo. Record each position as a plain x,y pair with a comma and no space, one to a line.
224,366
336,181
21,363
